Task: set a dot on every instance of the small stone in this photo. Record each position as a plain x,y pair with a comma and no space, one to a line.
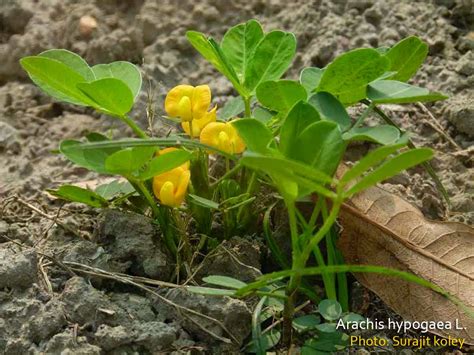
17,267
87,24
460,112
373,16
466,64
8,135
233,313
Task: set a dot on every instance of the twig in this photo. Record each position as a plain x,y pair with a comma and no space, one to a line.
437,126
54,219
44,274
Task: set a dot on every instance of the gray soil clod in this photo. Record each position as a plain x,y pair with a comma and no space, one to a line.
118,319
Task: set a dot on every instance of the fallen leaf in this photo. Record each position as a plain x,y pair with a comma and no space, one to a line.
380,228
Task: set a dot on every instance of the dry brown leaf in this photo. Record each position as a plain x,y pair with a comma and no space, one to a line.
380,228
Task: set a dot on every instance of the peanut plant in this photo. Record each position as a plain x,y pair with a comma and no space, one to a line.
290,135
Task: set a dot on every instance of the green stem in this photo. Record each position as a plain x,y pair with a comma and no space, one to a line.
363,116
248,112
137,130
142,190
314,241
227,175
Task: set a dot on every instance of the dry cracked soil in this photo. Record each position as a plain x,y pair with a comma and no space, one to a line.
49,307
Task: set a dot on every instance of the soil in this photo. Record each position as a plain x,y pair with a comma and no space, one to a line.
49,306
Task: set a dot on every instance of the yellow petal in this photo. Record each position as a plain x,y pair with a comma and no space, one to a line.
167,196
174,97
183,183
210,133
198,125
238,144
185,109
201,100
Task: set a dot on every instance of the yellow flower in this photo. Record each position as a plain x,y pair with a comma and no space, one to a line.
170,187
172,149
188,102
222,136
198,125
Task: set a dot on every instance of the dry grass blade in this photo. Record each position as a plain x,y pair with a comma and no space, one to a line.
383,229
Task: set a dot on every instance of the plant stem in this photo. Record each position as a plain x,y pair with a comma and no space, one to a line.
363,116
247,113
321,232
295,280
142,190
137,130
227,175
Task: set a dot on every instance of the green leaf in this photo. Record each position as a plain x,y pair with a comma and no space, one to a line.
211,51
280,95
396,92
114,189
256,136
271,59
262,114
77,194
124,71
383,134
301,116
289,174
310,78
224,281
204,202
353,318
330,309
232,108
392,167
320,145
164,163
326,327
72,60
210,291
406,57
129,160
372,159
331,109
268,341
56,79
325,343
92,159
109,94
306,322
348,75
239,43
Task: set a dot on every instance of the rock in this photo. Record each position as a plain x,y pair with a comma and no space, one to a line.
49,321
465,65
8,135
233,313
153,335
237,258
66,344
373,16
150,336
17,267
133,244
460,112
84,304
110,338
